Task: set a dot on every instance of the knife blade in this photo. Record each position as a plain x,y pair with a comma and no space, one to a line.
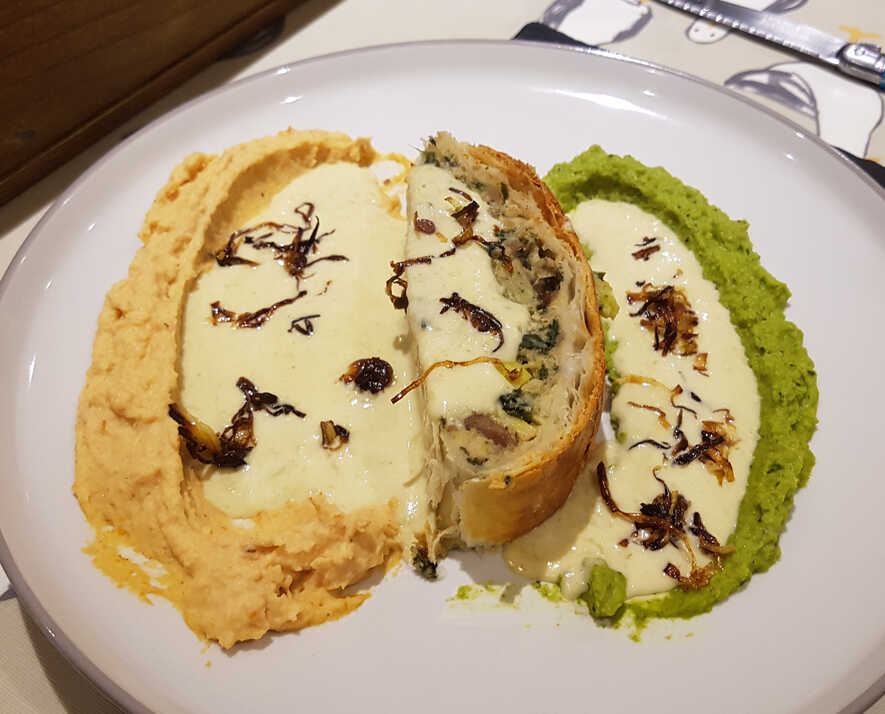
857,59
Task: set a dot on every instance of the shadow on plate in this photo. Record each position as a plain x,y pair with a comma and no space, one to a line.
75,692
488,568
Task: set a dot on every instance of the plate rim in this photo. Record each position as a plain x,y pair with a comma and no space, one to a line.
103,683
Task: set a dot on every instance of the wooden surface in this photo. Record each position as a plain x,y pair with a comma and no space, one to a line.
71,70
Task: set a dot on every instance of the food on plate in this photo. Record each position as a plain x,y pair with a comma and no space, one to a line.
195,386
714,403
296,384
269,415
502,307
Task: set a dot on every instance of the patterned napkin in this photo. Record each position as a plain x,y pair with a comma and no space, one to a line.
846,113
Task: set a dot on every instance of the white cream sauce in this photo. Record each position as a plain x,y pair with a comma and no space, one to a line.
584,532
453,394
386,450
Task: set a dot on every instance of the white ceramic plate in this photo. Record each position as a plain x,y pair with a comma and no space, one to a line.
807,636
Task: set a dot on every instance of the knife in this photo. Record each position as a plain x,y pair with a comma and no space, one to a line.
857,59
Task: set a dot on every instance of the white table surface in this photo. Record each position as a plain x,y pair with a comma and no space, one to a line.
34,677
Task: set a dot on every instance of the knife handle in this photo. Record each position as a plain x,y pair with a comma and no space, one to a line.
864,61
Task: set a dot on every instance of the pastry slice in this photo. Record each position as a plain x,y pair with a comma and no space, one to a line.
501,305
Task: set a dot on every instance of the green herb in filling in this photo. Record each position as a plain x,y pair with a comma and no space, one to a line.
542,340
432,157
473,460
518,405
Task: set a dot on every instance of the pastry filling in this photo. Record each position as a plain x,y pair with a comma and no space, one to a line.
457,309
480,282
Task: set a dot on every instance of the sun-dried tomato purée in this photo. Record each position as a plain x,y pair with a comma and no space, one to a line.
334,435
229,448
371,374
481,320
667,313
249,319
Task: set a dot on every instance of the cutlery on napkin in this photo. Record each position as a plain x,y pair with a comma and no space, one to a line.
538,32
